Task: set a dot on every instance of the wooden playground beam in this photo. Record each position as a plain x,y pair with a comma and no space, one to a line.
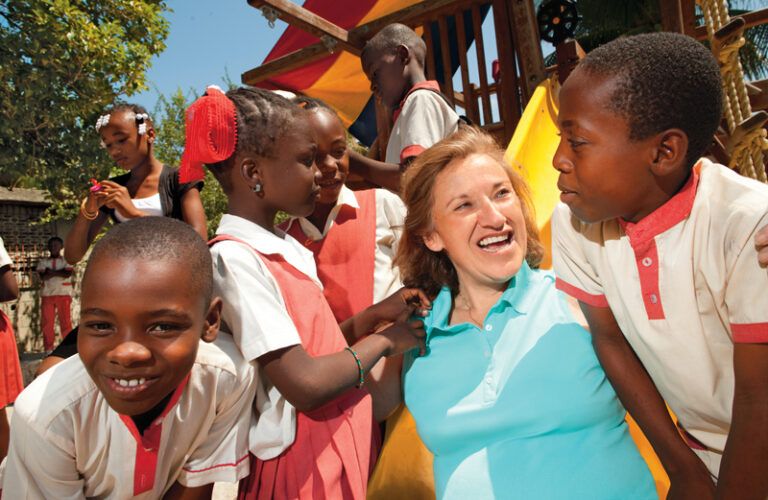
410,15
751,19
310,22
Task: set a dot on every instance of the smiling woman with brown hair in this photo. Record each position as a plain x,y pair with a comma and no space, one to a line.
510,396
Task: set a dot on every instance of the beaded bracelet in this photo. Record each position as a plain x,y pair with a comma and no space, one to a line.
361,380
84,211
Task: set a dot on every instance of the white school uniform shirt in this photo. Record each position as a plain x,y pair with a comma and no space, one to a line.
67,442
254,312
55,285
5,259
423,119
684,285
150,206
390,217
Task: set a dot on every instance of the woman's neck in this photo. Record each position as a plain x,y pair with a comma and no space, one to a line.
477,299
319,218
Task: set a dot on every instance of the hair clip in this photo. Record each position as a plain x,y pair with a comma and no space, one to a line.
102,121
141,119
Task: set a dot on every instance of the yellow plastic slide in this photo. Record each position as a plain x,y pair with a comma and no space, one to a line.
531,151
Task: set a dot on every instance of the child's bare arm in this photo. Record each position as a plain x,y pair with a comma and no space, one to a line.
403,303
193,213
83,231
745,460
386,175
179,492
688,475
9,288
309,382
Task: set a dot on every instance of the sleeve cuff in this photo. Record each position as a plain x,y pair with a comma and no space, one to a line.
750,333
226,472
410,151
581,295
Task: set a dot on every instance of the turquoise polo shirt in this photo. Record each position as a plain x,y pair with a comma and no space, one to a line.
520,407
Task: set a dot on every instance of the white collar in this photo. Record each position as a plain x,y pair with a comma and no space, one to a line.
346,197
267,243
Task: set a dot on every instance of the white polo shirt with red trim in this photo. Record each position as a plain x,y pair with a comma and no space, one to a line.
423,119
67,442
684,285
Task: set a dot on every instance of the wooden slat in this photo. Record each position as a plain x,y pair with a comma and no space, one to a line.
751,19
445,49
431,72
310,22
525,35
470,104
671,16
418,13
481,69
510,107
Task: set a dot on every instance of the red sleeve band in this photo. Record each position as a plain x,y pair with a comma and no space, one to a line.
750,333
581,295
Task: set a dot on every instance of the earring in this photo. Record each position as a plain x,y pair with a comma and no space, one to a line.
258,189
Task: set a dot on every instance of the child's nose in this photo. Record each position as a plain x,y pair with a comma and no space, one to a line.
129,353
327,164
560,160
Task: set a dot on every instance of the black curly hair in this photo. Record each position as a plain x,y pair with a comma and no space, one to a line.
262,118
390,38
137,109
663,81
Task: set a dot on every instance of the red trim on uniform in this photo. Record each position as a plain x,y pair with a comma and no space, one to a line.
642,236
578,293
750,333
412,150
235,464
691,441
148,444
427,84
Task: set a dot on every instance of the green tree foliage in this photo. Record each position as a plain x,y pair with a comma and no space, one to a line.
61,63
169,116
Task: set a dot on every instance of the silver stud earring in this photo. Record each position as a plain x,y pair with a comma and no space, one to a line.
257,188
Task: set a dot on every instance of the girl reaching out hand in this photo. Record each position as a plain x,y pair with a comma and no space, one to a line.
148,188
313,435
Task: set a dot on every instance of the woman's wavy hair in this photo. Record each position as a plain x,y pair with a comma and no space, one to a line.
419,266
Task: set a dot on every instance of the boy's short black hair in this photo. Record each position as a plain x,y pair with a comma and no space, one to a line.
664,81
391,37
55,238
159,239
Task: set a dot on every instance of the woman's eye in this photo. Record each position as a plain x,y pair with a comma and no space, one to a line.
462,206
502,193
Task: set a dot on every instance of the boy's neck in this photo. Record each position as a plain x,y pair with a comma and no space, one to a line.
666,190
144,420
414,76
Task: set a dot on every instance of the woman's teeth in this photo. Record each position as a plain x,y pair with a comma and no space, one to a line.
490,240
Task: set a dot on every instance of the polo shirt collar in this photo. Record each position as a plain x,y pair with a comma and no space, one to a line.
671,213
516,296
427,84
346,199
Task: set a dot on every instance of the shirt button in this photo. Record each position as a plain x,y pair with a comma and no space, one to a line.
488,328
489,379
647,261
654,298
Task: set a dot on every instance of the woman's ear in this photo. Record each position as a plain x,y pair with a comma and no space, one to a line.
670,152
433,241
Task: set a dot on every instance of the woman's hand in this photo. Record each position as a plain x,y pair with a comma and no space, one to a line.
116,197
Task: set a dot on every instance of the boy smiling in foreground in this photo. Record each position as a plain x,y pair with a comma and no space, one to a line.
147,409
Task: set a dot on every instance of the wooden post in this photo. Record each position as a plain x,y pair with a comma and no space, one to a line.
508,96
525,34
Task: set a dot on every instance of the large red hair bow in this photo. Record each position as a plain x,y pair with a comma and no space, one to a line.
211,133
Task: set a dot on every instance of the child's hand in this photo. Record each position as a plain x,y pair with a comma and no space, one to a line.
693,483
404,335
761,243
116,197
407,301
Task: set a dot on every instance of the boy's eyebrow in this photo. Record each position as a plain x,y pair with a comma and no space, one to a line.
95,311
168,312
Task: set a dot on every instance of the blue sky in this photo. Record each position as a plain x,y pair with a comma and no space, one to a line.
207,41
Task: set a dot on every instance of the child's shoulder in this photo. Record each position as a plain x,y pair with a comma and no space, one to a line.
222,356
720,188
60,390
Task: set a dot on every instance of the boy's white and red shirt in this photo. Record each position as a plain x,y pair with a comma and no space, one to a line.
55,285
422,119
67,442
684,284
390,218
254,312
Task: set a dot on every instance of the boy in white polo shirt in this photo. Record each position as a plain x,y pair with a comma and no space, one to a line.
55,292
154,403
659,248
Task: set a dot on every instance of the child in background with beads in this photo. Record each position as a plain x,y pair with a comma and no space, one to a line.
148,188
314,431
